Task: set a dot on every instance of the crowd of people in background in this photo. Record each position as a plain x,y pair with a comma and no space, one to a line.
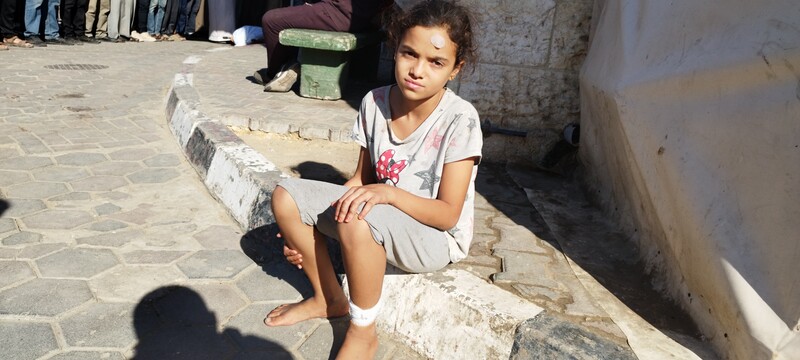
32,23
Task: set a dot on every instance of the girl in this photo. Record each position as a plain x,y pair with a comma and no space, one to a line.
410,201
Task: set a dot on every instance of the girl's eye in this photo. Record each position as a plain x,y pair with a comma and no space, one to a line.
438,63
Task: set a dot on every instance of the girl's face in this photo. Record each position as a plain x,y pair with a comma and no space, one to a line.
425,60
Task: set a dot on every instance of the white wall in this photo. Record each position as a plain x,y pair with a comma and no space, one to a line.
690,132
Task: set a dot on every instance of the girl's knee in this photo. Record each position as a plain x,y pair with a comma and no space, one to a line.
354,233
281,201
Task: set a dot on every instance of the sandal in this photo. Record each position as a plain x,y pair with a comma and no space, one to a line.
17,42
3,47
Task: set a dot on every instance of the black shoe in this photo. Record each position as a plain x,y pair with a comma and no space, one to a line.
105,39
261,77
57,41
36,41
88,40
72,41
120,39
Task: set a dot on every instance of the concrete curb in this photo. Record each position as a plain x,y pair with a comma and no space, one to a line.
443,315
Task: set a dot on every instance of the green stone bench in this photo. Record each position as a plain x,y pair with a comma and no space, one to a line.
323,58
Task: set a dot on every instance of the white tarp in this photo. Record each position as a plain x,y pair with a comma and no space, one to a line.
690,132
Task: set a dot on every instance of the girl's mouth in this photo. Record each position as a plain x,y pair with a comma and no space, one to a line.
412,85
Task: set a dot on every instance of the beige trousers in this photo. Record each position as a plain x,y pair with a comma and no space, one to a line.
97,12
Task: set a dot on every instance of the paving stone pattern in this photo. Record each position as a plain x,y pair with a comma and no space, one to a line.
110,246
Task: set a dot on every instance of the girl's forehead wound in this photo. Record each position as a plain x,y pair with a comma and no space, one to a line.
437,41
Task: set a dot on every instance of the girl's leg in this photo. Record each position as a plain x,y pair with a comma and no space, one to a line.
329,299
365,264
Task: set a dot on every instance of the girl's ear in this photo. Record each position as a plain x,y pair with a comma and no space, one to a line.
456,69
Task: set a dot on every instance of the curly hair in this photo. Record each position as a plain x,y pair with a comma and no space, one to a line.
447,14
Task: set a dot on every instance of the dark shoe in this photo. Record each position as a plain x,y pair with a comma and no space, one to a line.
36,41
72,41
105,39
88,40
261,77
57,41
284,79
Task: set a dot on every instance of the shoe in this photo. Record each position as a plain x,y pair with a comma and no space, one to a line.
36,41
118,39
15,41
261,77
284,79
145,37
176,37
105,39
88,39
72,41
57,41
128,38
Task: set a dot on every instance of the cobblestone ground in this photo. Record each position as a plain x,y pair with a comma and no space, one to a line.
110,246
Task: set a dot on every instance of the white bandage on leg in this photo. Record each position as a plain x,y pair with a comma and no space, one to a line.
364,317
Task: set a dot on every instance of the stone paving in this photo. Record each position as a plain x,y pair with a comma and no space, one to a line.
110,246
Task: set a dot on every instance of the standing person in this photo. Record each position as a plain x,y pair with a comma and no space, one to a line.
192,8
35,12
73,20
155,18
140,23
9,28
120,18
411,200
97,19
330,15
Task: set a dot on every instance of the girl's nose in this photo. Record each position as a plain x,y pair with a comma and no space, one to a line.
418,69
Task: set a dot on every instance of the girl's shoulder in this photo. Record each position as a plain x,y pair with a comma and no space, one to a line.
378,96
457,107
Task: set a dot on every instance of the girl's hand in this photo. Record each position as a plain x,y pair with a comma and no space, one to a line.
292,256
369,195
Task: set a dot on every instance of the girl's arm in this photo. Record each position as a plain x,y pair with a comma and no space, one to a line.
441,213
364,174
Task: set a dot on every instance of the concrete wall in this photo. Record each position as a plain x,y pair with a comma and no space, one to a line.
689,135
526,78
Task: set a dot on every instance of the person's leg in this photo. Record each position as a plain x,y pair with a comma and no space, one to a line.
126,17
7,12
329,299
115,6
140,24
151,17
91,14
180,23
51,20
194,8
159,16
365,264
102,19
67,11
319,16
33,17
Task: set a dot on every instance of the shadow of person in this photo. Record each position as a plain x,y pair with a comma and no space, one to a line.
313,170
4,205
173,322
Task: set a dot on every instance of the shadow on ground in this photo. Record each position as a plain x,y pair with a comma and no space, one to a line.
265,249
562,217
4,205
173,322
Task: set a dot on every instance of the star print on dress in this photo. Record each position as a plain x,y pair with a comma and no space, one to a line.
433,140
429,178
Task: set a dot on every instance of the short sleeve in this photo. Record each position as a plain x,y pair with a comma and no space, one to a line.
359,127
466,140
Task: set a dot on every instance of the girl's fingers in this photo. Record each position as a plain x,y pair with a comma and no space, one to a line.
365,210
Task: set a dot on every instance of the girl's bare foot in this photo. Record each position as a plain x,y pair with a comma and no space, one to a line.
290,314
360,342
